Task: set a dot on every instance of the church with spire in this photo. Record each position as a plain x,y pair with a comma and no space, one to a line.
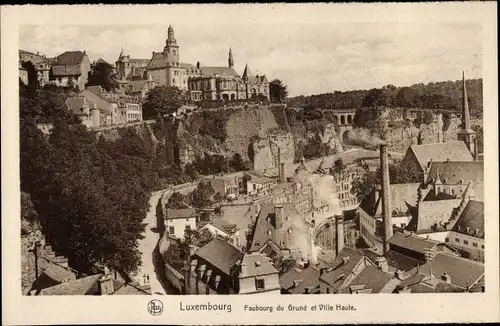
198,81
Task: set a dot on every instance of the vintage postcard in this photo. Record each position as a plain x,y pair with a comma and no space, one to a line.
220,164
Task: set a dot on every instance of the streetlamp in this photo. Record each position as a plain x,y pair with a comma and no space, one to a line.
35,240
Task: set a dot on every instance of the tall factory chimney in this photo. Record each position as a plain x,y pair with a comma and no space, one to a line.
339,234
281,168
386,197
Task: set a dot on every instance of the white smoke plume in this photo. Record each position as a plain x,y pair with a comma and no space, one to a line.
323,187
362,136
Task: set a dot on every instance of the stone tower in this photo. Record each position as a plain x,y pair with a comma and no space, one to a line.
230,60
123,65
466,134
171,49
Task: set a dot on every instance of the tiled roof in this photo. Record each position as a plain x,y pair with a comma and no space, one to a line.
56,271
439,152
462,271
473,218
453,172
180,213
396,261
257,264
412,242
334,276
69,58
139,62
136,73
296,280
76,104
220,254
403,197
66,70
421,283
212,71
224,225
123,288
265,227
372,278
81,286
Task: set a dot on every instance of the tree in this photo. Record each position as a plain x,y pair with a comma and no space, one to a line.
198,237
278,91
377,97
102,74
33,83
362,187
177,201
480,138
161,101
203,195
405,97
339,165
236,162
401,172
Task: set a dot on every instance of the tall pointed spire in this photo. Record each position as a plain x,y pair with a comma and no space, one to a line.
465,107
466,134
120,56
230,60
246,72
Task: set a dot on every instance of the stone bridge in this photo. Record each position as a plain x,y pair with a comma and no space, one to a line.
344,119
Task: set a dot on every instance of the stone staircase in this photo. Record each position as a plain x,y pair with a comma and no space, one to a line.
457,211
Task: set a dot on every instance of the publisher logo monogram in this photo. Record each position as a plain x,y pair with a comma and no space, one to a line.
155,307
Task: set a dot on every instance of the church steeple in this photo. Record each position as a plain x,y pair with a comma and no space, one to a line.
246,72
171,49
466,134
230,60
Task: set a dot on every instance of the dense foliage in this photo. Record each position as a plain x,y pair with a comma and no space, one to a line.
102,74
161,101
445,95
91,195
399,172
278,91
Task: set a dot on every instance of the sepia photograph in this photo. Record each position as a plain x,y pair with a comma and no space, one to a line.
245,157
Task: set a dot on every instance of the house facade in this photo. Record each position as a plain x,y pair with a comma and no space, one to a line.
71,68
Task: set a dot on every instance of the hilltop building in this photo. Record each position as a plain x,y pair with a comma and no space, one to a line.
199,82
72,68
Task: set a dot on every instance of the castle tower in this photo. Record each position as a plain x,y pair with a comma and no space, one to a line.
230,60
466,134
123,66
171,49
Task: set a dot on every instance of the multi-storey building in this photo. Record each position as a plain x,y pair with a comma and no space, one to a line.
72,68
202,82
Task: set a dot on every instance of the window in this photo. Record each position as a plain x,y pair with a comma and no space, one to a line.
482,246
171,230
466,242
439,189
474,244
452,191
188,227
187,219
457,240
260,284
447,240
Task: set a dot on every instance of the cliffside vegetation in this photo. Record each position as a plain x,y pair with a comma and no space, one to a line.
446,95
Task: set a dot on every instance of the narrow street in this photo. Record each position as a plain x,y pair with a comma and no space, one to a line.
146,247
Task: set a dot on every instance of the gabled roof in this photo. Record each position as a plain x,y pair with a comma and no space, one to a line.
473,218
159,60
452,172
76,104
335,275
208,71
69,58
220,254
296,280
412,242
371,278
462,271
80,286
257,264
403,197
246,72
180,213
450,150
265,229
224,225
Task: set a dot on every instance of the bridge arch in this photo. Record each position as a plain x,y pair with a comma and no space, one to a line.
324,234
342,119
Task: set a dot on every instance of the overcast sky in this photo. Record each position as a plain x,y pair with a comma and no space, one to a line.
311,58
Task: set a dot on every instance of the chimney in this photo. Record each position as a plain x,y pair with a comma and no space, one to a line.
386,198
244,269
106,285
278,216
198,65
445,277
339,233
382,264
